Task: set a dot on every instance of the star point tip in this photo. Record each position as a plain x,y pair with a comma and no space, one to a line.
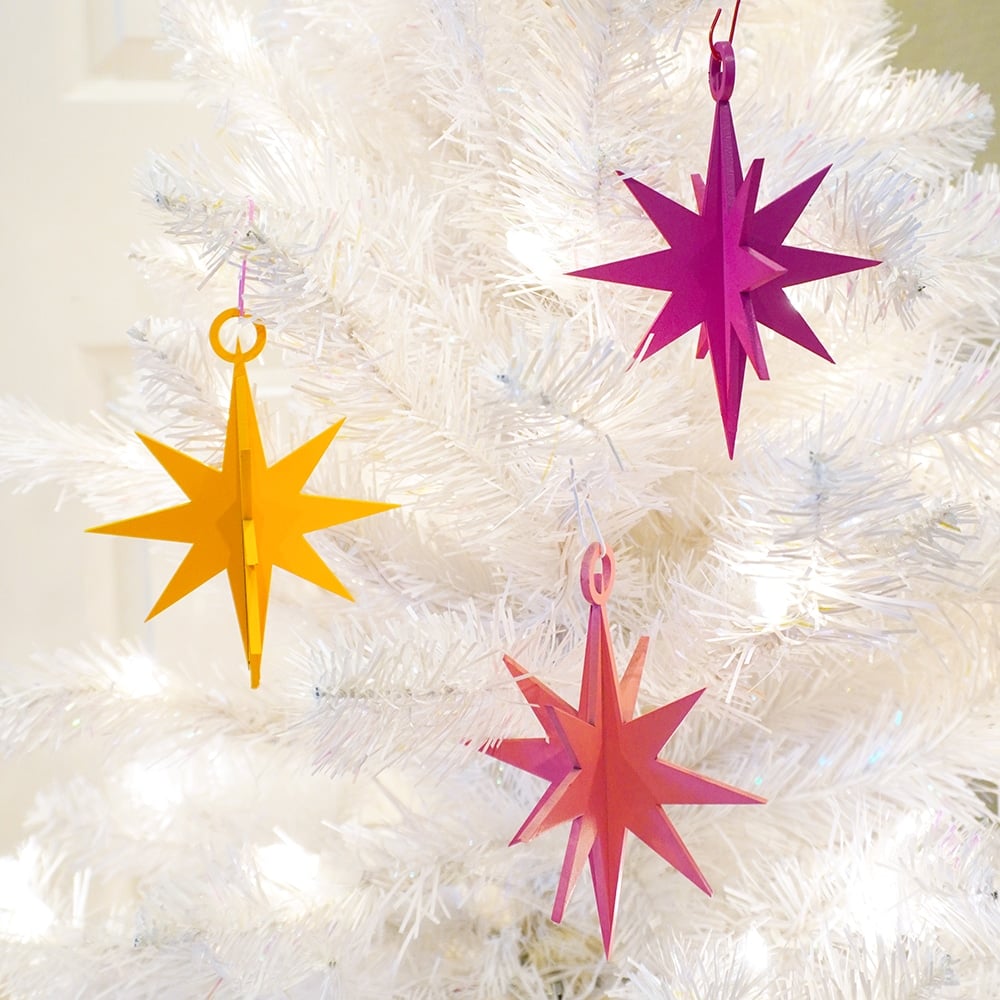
514,667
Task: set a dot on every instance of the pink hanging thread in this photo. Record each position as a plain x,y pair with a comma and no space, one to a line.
243,267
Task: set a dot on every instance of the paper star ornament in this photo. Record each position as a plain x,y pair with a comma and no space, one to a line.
728,265
247,517
603,767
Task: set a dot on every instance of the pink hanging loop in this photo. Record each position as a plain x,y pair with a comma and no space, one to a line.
597,574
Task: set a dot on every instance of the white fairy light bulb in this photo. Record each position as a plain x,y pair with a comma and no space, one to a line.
754,948
138,676
873,905
288,871
534,251
154,785
23,914
775,595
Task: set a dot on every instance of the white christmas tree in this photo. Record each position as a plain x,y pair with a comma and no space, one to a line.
422,174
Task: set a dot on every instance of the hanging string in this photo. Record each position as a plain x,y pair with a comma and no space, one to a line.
251,209
579,512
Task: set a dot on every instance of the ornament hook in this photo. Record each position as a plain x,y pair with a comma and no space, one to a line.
597,573
251,209
238,355
716,54
579,510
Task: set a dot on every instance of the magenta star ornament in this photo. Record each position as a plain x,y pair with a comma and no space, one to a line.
603,767
728,266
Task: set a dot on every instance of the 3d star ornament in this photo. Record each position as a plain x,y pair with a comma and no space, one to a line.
727,266
603,767
247,517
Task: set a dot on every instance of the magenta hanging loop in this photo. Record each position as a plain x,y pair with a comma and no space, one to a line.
243,267
722,72
716,53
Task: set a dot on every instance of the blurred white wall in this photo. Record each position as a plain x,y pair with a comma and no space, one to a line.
84,95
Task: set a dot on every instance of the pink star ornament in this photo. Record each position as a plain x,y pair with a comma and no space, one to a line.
728,265
603,767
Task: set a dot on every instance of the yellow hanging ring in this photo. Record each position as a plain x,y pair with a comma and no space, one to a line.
233,356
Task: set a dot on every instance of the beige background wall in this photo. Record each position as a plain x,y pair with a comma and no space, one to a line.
960,35
84,95
82,99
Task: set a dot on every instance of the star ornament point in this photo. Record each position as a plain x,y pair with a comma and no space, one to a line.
246,517
602,765
727,266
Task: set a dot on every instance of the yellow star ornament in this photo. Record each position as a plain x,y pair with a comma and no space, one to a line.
247,517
